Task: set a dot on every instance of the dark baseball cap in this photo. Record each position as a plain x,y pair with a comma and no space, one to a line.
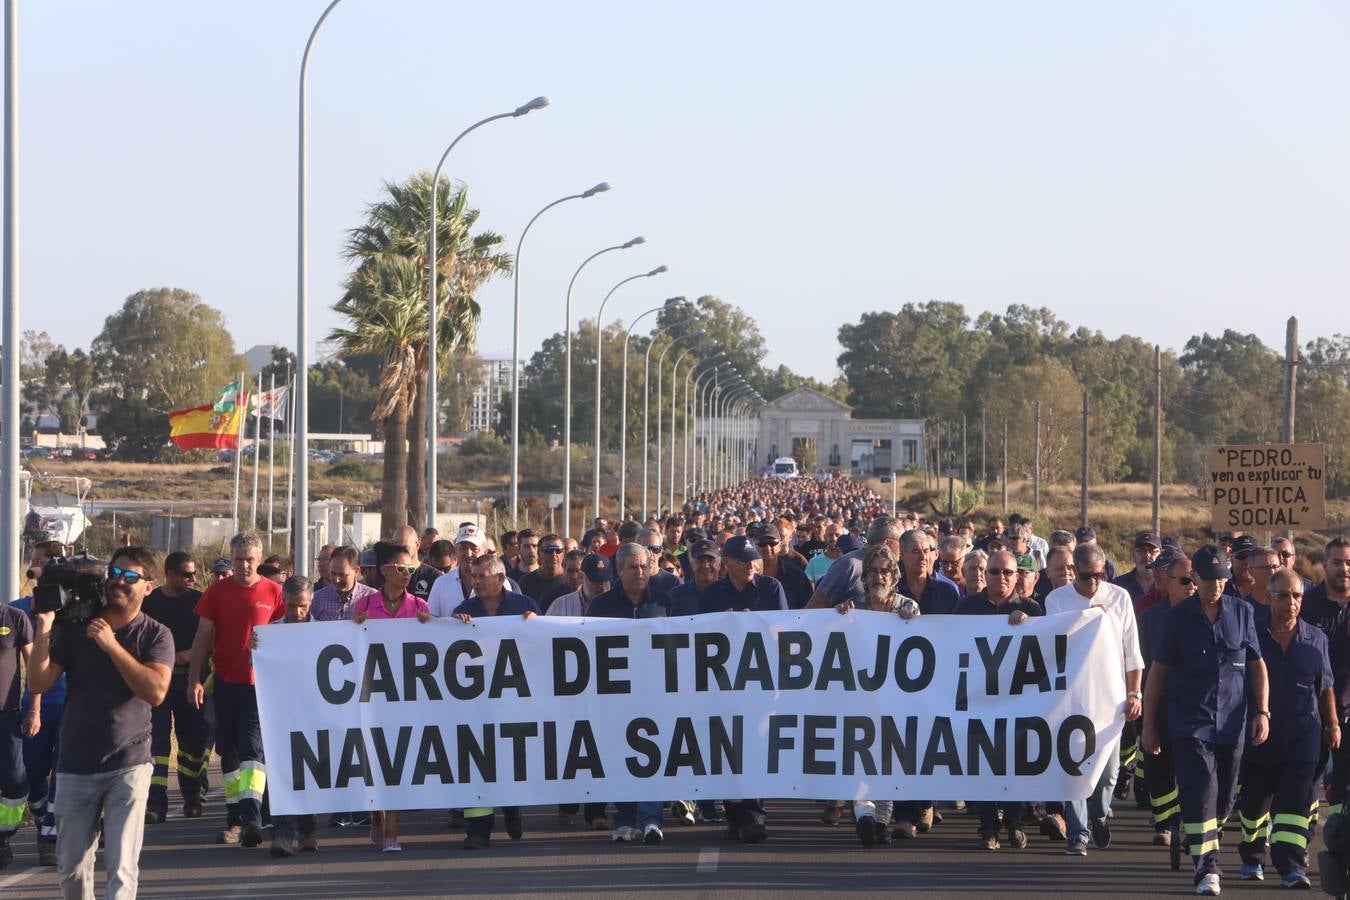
847,543
700,549
856,523
1244,544
597,568
692,535
1164,560
1210,563
1085,534
221,566
741,547
368,560
1147,539
765,531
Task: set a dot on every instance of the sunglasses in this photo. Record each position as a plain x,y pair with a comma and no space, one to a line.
551,548
1091,576
1288,595
764,544
887,572
191,574
130,577
1005,573
1186,582
400,569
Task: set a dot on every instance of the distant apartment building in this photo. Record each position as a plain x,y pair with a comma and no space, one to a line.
493,386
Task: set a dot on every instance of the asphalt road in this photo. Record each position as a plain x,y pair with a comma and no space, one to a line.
801,858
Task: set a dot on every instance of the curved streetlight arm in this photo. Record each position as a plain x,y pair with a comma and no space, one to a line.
433,316
300,428
691,440
646,411
515,344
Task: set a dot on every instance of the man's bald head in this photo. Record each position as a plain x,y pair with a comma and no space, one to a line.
407,537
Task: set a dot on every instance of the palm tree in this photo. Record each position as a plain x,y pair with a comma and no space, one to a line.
396,229
388,316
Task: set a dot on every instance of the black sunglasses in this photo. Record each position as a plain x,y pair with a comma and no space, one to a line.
1091,576
1185,581
551,548
1006,573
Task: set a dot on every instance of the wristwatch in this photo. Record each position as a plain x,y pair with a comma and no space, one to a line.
1263,712
1135,695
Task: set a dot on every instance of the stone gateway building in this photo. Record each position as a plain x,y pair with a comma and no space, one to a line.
822,435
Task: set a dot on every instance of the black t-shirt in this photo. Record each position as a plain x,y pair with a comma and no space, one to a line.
536,584
105,727
175,614
419,585
15,632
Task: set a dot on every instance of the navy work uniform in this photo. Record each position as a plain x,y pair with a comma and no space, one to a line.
1333,620
1207,710
1161,779
1280,777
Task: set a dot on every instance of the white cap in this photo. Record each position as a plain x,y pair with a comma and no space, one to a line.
470,534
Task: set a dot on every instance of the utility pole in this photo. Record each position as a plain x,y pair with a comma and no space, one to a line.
984,471
1036,465
1157,439
1290,386
1083,493
1005,464
964,455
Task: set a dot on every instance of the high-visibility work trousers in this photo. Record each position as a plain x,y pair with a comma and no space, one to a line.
1276,809
1207,776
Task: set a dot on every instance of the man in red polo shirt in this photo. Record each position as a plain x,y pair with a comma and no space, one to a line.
227,613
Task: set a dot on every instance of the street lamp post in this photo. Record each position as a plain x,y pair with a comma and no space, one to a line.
623,413
691,414
646,411
674,399
599,338
683,353
300,429
704,401
567,383
9,428
433,426
515,347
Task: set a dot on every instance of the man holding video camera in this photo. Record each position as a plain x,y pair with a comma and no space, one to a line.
118,663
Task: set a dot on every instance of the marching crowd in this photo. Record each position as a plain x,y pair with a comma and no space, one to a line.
1236,668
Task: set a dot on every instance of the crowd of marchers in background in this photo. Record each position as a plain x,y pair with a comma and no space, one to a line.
1236,670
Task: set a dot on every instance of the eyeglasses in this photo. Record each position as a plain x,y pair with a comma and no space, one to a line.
878,572
1286,554
1091,576
951,565
655,548
551,548
765,544
189,574
400,569
1186,582
1002,573
130,577
1287,595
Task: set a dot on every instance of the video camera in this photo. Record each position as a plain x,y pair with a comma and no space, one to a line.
71,587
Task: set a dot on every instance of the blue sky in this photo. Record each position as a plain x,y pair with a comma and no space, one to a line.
1152,168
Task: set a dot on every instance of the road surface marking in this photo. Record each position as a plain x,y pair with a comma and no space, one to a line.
707,860
28,873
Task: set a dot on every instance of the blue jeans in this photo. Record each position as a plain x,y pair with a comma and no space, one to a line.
39,758
1078,814
638,814
13,779
118,798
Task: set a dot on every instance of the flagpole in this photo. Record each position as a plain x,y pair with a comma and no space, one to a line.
238,454
257,451
290,461
271,452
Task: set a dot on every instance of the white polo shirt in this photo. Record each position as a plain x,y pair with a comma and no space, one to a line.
1117,603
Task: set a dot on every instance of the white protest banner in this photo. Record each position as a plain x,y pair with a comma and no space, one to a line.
404,715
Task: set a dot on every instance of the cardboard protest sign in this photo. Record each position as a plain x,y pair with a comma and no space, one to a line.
1267,486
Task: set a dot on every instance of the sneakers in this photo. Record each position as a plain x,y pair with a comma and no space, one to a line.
46,853
192,809
867,831
1076,848
1208,886
228,835
1254,872
282,846
309,844
515,824
153,817
652,834
1101,834
476,842
250,836
989,841
926,821
1052,826
1017,837
623,834
391,845
754,834
904,830
1162,838
1296,881
680,810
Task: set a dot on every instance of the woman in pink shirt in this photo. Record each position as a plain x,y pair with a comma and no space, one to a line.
392,602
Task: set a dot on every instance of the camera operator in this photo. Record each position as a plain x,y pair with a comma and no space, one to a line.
118,667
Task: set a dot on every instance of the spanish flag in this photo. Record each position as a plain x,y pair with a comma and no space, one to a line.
202,428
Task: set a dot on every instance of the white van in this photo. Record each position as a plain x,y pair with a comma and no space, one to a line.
785,467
